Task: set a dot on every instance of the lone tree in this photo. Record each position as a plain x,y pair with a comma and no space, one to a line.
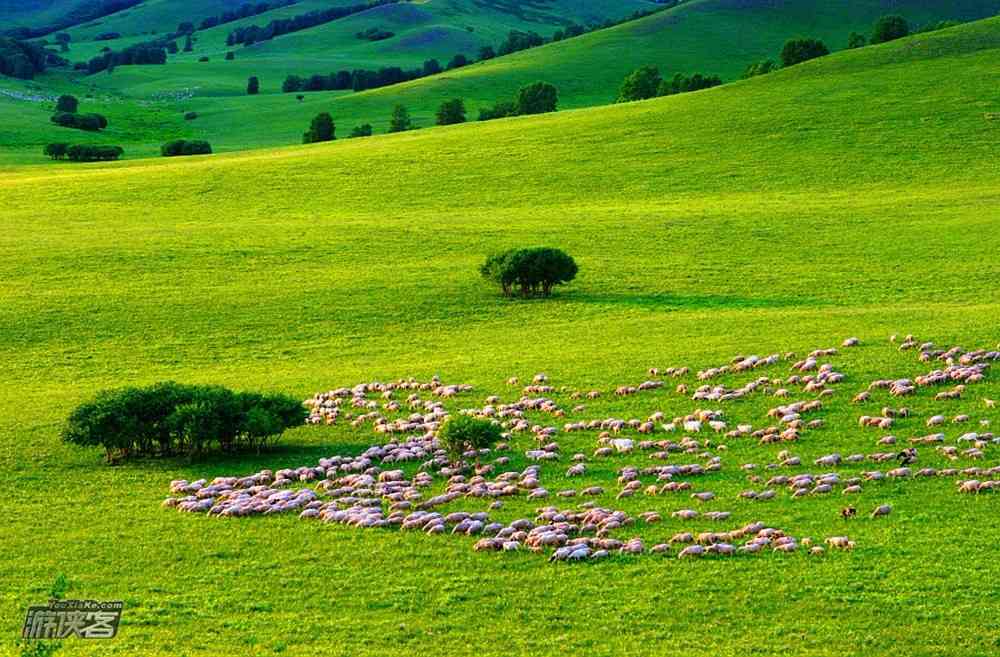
400,121
321,129
797,51
253,86
67,103
890,28
537,98
534,271
640,84
451,112
856,41
188,43
363,130
56,151
461,434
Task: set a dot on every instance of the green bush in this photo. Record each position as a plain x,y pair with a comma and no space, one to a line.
464,433
185,147
534,271
321,128
797,51
890,28
400,120
640,84
88,122
170,418
363,130
682,84
56,151
91,153
451,112
67,103
190,116
537,98
759,68
501,109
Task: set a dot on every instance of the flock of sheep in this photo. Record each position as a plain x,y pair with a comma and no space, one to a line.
407,481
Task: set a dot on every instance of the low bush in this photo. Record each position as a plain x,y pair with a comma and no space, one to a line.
170,418
190,116
92,153
797,51
534,271
88,122
363,130
56,151
461,434
68,104
185,147
501,109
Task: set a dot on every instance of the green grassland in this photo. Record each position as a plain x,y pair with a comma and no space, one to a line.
145,104
852,195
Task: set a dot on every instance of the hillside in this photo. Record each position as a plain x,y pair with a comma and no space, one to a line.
852,195
145,104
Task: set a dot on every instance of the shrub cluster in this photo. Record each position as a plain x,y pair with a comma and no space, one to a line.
645,82
245,10
83,152
534,98
535,271
251,34
171,418
88,122
375,34
185,147
153,52
463,433
362,79
20,59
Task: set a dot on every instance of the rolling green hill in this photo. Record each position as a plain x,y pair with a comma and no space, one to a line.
852,195
711,36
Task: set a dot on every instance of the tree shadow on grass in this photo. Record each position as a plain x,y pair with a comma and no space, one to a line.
687,301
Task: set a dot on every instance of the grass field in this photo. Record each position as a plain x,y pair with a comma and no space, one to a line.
854,195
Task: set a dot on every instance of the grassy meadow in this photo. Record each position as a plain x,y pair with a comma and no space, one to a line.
852,195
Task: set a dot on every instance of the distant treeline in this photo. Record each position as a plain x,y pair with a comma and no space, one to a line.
19,59
362,79
153,52
245,11
252,34
82,13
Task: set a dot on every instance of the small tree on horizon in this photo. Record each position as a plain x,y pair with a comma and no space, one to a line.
253,86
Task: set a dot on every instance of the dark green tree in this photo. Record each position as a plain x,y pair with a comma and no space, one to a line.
321,129
431,67
363,130
56,151
642,83
400,120
67,103
890,28
253,85
759,68
451,112
856,40
188,43
537,98
797,51
486,52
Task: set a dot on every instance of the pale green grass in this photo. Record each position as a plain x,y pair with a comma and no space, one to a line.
852,196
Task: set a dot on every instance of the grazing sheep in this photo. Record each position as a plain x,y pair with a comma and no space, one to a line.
881,510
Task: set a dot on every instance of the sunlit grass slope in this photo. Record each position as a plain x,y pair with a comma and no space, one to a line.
855,195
